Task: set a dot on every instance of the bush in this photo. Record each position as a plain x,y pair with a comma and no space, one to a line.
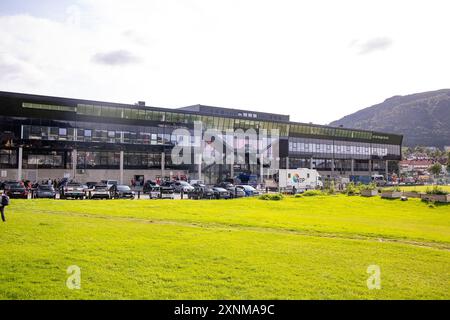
274,197
331,188
312,193
436,190
368,187
298,195
393,189
351,189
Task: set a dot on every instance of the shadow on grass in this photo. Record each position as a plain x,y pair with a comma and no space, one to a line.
436,204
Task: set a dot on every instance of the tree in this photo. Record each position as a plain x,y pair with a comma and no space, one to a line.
448,161
435,169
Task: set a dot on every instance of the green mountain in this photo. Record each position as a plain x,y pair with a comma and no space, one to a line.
423,118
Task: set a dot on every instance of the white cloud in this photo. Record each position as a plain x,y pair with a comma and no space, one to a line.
372,45
285,56
116,58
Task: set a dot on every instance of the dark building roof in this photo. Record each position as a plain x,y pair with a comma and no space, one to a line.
256,115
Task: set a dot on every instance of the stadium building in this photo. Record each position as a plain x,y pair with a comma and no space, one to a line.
45,137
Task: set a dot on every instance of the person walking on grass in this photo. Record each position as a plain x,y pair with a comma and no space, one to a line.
4,201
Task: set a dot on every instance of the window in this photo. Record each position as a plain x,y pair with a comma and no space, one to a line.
62,132
8,158
48,107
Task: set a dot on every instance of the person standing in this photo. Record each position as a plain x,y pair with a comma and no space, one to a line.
4,201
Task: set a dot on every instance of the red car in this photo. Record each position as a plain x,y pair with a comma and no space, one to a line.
16,190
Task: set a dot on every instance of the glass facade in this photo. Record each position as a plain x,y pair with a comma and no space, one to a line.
35,159
219,123
48,107
8,159
337,149
100,131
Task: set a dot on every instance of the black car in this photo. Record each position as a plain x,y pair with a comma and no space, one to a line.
201,191
7,182
124,192
148,185
45,191
221,193
16,190
91,185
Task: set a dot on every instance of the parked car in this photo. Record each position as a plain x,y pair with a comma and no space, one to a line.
192,182
201,191
225,185
182,186
72,190
124,192
45,191
230,188
148,186
159,192
249,190
16,190
167,184
100,192
221,193
236,192
154,192
7,182
109,183
90,185
167,193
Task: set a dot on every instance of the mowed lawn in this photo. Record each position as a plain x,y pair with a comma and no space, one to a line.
423,188
297,248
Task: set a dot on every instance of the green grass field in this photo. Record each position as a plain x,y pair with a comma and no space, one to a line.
297,248
423,188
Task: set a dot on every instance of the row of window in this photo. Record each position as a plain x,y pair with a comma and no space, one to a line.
342,149
48,107
8,158
340,165
247,114
104,159
50,160
85,160
220,123
103,135
145,160
337,149
95,135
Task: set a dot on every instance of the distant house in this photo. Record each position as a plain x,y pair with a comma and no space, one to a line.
415,166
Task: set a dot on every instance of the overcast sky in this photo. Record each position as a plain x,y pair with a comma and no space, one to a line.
316,60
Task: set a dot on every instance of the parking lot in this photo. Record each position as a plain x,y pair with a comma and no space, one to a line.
111,189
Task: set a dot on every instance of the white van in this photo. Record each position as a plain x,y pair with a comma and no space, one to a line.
378,179
301,178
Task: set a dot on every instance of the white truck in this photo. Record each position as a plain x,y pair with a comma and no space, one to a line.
302,179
